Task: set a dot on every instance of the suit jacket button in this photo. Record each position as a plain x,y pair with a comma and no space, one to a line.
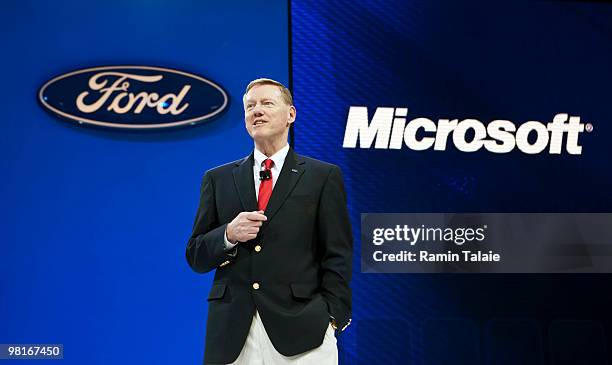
255,286
257,248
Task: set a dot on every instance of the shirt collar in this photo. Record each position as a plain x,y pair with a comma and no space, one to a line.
278,157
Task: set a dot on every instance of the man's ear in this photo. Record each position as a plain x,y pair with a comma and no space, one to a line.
292,115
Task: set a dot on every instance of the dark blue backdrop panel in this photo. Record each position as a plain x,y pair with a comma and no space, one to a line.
518,60
95,222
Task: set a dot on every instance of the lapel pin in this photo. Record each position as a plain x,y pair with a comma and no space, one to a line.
294,170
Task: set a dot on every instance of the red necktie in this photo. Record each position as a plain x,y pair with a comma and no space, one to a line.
265,187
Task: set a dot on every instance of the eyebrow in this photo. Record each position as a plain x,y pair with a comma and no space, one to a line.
250,101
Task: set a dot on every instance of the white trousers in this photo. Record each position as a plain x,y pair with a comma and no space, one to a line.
258,350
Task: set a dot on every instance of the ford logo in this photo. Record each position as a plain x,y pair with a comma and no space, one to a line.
133,97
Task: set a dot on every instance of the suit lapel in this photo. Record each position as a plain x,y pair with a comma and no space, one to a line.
292,171
244,181
293,168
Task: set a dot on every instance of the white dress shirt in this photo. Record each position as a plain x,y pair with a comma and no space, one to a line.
259,157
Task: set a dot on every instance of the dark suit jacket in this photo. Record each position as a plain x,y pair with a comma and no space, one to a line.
301,259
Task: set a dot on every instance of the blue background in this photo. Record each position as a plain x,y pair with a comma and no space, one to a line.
514,60
95,222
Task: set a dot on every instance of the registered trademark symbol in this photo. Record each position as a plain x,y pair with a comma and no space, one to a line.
485,226
588,127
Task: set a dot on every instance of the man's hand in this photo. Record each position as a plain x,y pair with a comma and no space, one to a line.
245,226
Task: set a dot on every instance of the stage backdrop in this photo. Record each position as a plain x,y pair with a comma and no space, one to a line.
95,221
514,60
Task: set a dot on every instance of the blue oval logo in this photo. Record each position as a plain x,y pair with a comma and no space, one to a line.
133,97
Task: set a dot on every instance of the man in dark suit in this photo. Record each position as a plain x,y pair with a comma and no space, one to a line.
275,227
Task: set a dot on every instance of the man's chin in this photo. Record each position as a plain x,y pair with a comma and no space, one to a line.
264,138
260,136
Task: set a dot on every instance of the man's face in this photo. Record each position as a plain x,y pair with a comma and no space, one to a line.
266,114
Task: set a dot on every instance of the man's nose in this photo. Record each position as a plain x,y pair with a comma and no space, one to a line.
257,111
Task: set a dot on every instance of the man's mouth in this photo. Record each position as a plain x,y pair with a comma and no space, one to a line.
258,122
